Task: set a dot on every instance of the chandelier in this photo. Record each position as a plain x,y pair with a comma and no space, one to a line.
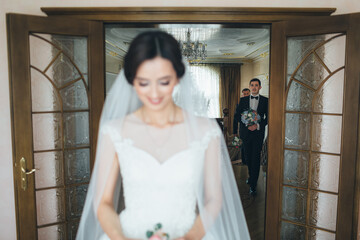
193,51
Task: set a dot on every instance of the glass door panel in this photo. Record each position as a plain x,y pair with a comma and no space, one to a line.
313,134
61,140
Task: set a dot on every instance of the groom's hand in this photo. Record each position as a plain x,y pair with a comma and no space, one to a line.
252,127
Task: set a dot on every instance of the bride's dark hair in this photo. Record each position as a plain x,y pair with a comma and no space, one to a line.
149,45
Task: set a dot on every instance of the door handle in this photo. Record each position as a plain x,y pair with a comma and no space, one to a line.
24,173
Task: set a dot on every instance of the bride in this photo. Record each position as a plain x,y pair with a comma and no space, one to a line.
158,164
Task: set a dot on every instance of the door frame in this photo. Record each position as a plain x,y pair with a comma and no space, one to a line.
187,14
18,28
347,214
230,15
208,15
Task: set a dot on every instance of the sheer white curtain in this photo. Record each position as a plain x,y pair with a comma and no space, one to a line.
205,90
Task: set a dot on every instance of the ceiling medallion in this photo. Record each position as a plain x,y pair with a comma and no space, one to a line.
114,54
193,51
265,54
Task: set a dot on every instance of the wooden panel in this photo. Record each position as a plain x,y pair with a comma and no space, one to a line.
58,25
276,123
334,24
355,31
97,76
188,14
349,144
22,122
19,28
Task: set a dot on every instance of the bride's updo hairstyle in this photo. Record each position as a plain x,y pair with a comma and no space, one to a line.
149,45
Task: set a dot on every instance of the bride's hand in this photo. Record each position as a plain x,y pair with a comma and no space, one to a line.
184,238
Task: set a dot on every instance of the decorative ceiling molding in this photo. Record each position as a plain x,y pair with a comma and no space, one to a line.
223,44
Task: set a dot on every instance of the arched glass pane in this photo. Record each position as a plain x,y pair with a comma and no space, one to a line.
299,47
329,99
299,98
75,96
63,71
43,95
75,48
311,72
42,53
332,53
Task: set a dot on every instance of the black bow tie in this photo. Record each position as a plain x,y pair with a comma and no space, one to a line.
257,97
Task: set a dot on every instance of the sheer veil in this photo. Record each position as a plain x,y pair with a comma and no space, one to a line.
218,201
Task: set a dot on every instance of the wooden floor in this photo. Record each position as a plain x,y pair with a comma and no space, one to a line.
254,207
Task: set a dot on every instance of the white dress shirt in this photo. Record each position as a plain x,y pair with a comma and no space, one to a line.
254,103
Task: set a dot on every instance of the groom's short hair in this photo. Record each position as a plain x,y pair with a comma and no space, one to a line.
255,80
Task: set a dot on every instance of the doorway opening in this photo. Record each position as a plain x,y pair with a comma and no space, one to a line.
211,51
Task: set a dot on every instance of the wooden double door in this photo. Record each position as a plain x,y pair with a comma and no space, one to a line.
57,91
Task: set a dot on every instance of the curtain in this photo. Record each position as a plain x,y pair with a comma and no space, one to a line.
205,89
230,90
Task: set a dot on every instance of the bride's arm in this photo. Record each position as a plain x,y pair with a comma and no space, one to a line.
108,218
197,231
212,191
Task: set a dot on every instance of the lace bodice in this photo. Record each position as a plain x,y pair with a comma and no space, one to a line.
159,187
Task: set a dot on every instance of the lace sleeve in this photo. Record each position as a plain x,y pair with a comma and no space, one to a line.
209,136
219,203
111,131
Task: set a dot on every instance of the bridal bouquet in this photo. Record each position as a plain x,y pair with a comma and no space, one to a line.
157,234
250,117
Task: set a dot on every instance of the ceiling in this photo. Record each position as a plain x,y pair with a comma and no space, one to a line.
224,44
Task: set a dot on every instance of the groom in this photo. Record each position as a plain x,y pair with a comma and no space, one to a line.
252,136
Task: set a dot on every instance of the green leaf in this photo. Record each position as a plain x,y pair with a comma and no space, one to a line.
158,226
149,234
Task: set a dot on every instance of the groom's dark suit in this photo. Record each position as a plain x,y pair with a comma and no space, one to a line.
252,140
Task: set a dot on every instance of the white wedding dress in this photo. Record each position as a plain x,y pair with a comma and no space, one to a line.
160,173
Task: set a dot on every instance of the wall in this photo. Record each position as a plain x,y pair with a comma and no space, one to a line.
247,73
7,216
259,69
